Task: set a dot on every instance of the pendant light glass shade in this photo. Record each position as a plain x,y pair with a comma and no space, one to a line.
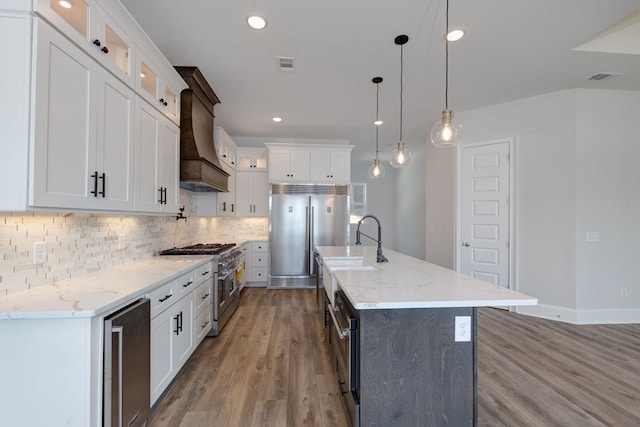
401,155
376,170
446,132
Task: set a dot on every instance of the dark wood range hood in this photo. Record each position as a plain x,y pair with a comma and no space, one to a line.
200,168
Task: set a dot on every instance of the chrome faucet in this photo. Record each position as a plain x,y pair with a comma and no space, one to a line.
379,257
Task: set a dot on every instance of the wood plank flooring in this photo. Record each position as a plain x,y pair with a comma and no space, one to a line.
270,367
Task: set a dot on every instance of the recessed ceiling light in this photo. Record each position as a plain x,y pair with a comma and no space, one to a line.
256,22
455,35
277,119
378,122
65,3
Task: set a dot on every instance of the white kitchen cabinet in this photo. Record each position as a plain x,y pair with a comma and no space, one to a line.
69,107
95,32
257,263
227,200
83,143
331,166
252,194
289,166
226,151
309,163
225,147
251,159
157,161
172,342
157,89
203,300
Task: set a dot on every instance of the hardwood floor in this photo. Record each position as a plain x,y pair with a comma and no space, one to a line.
270,367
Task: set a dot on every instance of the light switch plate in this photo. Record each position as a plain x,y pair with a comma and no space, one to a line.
593,236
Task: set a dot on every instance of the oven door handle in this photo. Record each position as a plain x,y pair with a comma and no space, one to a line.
342,333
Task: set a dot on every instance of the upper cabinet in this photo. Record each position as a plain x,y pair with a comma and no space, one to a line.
157,89
288,165
83,150
225,147
226,151
91,28
251,159
331,166
310,163
71,75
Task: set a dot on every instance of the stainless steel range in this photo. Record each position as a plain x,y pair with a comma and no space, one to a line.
227,262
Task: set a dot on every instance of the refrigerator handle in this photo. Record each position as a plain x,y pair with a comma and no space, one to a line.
307,236
311,242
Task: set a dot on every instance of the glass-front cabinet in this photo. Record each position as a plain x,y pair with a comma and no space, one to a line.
157,90
88,25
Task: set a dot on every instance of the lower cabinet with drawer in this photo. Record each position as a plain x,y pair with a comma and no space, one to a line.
203,295
257,263
172,332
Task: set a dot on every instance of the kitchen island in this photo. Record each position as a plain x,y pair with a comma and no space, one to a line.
413,359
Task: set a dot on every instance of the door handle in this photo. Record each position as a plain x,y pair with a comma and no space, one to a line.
467,244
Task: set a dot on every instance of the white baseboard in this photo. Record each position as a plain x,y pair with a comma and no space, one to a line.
580,317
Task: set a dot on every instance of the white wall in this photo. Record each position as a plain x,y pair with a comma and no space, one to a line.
608,202
381,202
564,182
410,204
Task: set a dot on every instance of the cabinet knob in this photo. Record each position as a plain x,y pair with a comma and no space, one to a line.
97,42
163,102
105,50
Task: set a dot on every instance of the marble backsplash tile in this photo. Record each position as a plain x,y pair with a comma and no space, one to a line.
80,243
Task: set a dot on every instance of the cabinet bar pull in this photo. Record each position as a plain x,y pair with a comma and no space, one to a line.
180,322
224,206
205,296
95,184
205,273
177,329
186,285
205,324
103,178
166,297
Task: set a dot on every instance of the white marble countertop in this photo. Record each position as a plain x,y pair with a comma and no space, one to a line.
96,293
406,282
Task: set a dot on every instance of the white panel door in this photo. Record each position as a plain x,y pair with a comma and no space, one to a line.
115,143
484,212
64,140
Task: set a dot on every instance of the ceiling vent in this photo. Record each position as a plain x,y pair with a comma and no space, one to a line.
601,76
285,64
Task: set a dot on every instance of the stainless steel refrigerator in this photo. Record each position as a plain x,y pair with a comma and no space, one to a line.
301,217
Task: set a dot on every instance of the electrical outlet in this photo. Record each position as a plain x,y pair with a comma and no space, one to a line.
463,328
623,293
39,252
122,241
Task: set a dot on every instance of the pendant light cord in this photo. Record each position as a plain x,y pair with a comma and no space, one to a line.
401,74
377,109
446,60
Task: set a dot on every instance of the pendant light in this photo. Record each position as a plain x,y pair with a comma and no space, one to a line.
401,155
446,132
377,169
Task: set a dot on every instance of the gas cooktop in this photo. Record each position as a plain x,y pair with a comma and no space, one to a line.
199,249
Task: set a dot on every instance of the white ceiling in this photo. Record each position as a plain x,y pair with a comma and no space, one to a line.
512,49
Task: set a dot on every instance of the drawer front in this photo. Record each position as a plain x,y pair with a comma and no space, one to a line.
204,272
261,246
259,274
162,298
258,260
203,324
185,284
204,295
